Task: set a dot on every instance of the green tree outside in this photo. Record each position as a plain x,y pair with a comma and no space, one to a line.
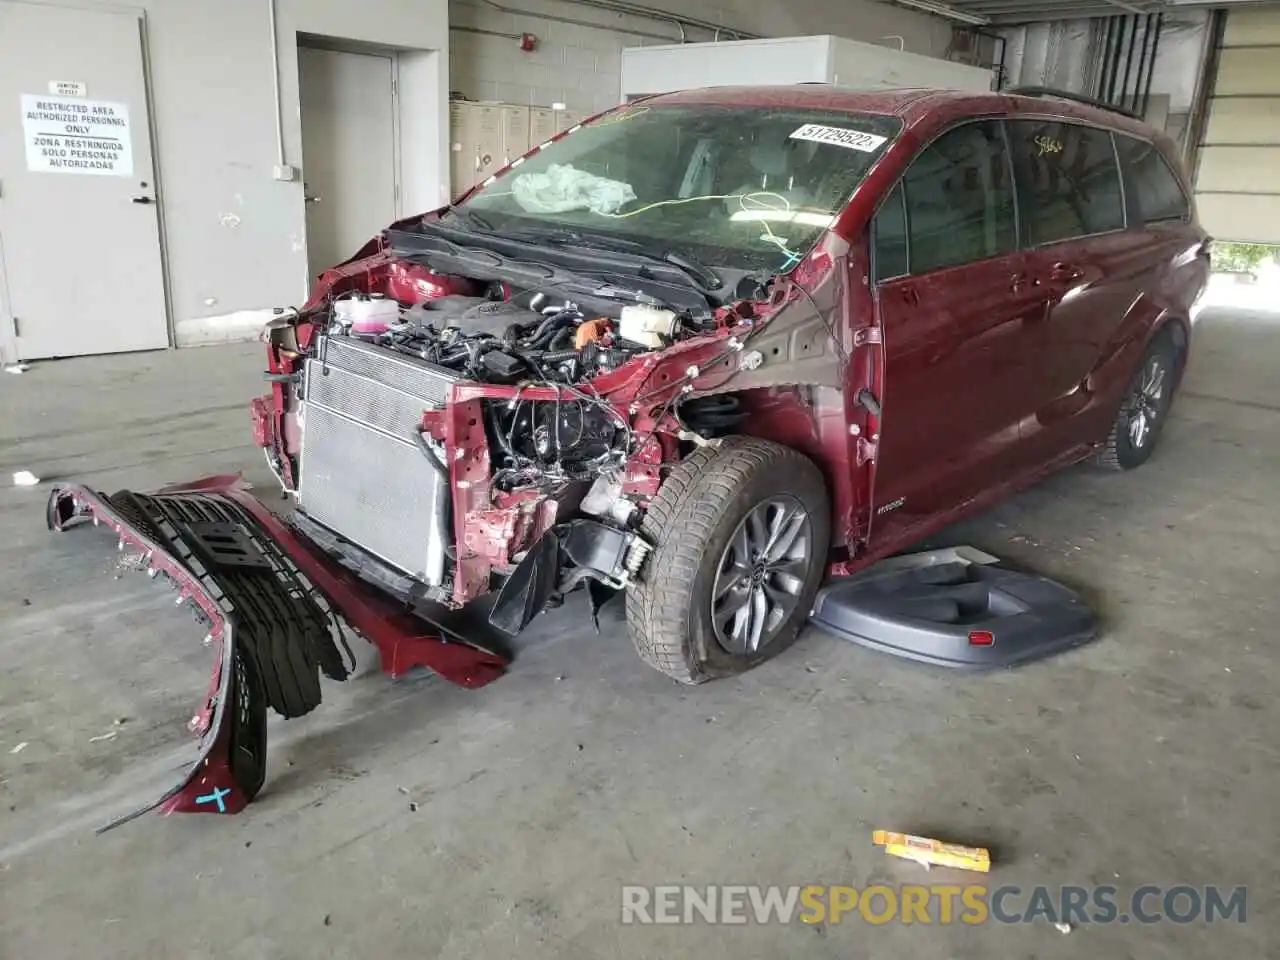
1240,257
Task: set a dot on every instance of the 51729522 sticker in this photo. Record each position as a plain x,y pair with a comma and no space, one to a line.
839,137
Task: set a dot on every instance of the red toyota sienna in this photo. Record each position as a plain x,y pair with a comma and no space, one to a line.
703,351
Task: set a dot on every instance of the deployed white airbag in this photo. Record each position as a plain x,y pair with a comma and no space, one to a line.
563,187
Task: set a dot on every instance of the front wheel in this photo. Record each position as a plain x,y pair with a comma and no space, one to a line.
1144,408
741,536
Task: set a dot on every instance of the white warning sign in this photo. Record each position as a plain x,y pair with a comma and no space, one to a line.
68,88
70,135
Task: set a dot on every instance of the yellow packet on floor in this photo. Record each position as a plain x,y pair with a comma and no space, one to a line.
930,852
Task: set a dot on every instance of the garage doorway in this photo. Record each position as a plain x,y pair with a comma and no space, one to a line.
1238,173
79,231
349,149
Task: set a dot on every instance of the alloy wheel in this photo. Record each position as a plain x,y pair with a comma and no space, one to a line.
761,575
1146,404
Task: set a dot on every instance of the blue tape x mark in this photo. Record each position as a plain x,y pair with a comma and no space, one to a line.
215,797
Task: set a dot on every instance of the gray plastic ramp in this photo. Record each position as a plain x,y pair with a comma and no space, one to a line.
955,608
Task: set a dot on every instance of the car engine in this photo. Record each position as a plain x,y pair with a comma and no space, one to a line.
493,340
521,340
370,471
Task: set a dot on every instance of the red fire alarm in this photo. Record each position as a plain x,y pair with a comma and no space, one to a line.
528,42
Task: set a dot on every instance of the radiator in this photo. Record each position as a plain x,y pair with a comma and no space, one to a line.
362,474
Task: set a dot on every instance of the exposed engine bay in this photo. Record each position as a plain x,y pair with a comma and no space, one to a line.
506,341
378,373
527,340
435,427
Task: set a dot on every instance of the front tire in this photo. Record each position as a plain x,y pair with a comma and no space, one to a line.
1144,409
741,536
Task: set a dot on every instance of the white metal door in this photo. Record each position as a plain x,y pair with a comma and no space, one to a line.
79,231
348,151
1238,174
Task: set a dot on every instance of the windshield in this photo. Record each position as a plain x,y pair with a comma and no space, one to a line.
741,187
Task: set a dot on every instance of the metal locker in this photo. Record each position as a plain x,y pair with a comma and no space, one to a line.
566,119
486,132
515,133
462,154
475,148
542,125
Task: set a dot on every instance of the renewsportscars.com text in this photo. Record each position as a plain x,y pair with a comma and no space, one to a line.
932,904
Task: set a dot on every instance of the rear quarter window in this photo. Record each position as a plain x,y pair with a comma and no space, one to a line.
1152,188
1068,180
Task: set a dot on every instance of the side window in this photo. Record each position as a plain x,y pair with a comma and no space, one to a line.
1153,190
1068,180
889,252
959,198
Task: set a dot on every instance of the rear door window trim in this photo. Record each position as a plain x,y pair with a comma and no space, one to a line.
1120,173
1022,232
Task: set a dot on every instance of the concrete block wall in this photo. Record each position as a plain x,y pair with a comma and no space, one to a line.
580,65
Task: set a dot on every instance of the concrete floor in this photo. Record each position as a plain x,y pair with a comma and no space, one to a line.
1146,757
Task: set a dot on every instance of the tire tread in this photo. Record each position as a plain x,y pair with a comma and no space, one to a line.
680,521
1109,458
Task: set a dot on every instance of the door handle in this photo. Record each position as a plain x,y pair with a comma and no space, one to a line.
143,200
909,295
1021,280
310,198
1065,272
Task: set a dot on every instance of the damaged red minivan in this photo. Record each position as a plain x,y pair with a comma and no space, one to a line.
704,350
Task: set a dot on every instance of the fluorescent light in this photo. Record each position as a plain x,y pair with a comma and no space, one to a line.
803,217
943,10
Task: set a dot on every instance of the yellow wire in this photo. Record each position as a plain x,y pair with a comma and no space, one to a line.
714,196
742,199
776,240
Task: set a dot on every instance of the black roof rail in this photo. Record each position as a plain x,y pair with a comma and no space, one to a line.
1073,97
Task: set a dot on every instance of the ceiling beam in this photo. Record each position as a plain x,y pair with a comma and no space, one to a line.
1063,10
998,6
1040,15
993,8
945,10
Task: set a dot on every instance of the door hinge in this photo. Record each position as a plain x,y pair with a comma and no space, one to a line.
866,449
865,335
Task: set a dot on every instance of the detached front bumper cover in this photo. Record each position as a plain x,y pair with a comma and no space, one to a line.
273,605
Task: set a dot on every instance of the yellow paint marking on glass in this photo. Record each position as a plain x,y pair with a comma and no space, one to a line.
1047,145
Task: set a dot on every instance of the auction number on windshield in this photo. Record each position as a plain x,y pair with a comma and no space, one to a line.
839,137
